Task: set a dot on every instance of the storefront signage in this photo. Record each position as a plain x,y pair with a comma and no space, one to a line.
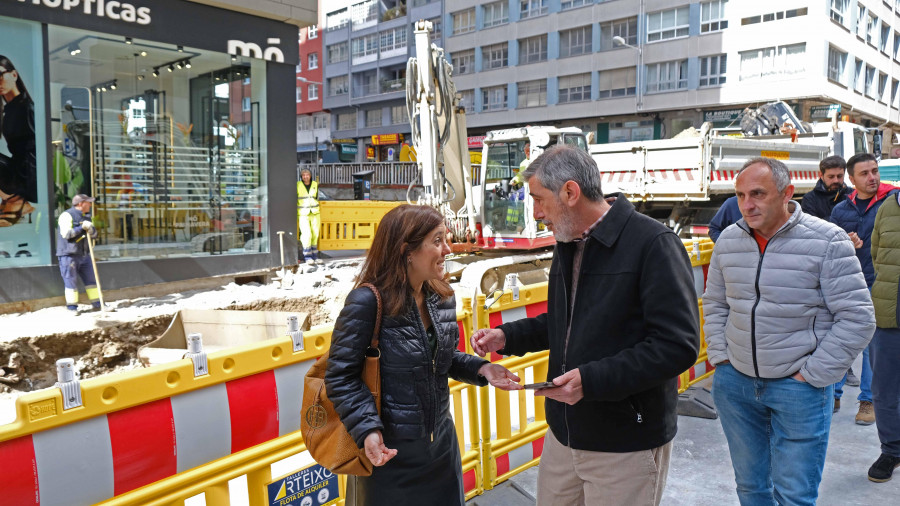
251,50
824,111
383,140
343,141
313,486
723,115
476,142
117,11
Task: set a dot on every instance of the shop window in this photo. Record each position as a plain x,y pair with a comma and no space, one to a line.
171,151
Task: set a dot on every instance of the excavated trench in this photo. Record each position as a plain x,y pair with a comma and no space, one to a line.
29,363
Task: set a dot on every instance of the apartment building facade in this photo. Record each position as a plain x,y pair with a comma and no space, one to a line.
313,128
563,62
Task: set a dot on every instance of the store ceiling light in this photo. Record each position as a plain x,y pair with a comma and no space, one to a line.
155,71
179,65
74,49
114,84
129,40
140,77
233,58
143,53
187,64
170,68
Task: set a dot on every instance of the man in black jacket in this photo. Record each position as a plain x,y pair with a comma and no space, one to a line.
830,189
622,323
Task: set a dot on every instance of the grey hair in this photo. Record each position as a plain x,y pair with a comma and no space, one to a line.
780,173
561,163
304,169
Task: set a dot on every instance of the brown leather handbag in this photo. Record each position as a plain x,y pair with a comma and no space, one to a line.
325,436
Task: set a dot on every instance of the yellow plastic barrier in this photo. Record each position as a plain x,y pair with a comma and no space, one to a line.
350,224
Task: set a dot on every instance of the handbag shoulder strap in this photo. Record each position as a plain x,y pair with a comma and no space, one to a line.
377,331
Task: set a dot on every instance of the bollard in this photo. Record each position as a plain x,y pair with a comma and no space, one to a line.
196,354
67,383
293,330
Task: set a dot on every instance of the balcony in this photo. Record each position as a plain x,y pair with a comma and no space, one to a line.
390,86
365,90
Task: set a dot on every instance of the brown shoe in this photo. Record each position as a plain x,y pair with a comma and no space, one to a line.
837,406
866,414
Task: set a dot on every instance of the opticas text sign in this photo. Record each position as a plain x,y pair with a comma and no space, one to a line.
311,486
176,22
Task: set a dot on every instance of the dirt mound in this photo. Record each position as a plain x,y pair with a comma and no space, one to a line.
314,306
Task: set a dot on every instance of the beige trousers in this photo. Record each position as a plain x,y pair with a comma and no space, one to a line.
568,477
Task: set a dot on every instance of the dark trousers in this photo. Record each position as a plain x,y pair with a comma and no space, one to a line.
885,354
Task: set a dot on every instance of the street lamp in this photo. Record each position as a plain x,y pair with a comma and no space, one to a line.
618,42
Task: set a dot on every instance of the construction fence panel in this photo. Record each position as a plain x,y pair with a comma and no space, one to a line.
700,252
350,224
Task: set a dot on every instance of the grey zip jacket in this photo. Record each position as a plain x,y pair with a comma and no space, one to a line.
802,305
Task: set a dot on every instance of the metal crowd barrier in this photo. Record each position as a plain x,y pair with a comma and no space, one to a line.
165,434
350,224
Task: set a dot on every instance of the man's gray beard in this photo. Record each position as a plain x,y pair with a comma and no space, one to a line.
563,227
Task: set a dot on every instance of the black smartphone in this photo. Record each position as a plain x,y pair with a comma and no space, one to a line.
538,386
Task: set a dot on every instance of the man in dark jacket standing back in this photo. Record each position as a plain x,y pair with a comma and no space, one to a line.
856,215
622,323
72,250
830,189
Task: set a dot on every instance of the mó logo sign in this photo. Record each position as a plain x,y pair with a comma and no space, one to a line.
251,50
119,11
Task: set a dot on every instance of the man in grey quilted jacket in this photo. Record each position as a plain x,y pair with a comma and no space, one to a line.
786,311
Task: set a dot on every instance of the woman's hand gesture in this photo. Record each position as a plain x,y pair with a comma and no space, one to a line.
500,377
377,453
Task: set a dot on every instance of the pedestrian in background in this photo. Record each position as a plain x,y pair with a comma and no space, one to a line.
786,311
727,215
73,254
856,215
830,189
308,216
885,348
412,443
621,325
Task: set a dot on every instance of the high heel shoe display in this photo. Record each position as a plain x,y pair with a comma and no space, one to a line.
14,208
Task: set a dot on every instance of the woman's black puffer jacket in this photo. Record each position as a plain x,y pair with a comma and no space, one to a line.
414,386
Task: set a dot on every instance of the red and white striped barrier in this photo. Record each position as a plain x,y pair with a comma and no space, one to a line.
520,456
511,315
96,459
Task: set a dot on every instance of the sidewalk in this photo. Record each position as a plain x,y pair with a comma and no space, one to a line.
700,472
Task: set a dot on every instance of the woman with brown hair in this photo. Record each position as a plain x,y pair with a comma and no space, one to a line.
412,442
18,173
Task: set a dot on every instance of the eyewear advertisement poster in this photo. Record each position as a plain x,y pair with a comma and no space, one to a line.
311,486
23,157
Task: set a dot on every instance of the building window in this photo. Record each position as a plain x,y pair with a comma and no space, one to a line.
836,62
571,4
625,28
882,84
304,123
339,85
320,121
495,56
245,104
712,16
299,67
774,16
312,92
464,21
467,100
894,87
858,78
532,8
871,23
312,61
463,62
299,94
870,81
712,70
496,13
897,44
668,24
393,40
575,88
533,49
839,11
617,83
435,29
667,76
364,14
575,41
338,53
365,48
532,93
337,19
861,21
494,98
885,38
373,118
346,121
770,61
399,114
312,32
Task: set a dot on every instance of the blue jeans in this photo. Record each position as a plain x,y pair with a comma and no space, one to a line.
777,432
865,380
886,387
